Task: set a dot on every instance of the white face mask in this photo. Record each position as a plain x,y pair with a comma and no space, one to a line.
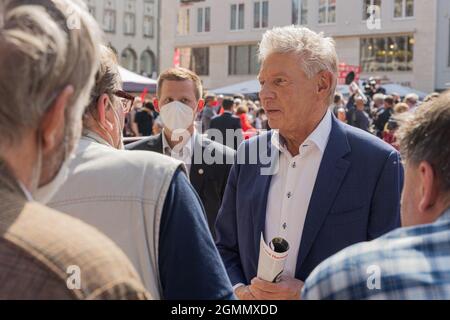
176,115
120,145
45,193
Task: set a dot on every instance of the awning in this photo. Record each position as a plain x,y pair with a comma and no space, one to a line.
133,82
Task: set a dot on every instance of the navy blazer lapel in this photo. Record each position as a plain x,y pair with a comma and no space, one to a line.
332,171
198,170
262,188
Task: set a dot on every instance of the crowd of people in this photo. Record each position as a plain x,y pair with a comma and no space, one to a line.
180,213
373,111
144,120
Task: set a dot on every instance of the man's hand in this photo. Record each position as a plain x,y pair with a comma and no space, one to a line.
287,289
243,293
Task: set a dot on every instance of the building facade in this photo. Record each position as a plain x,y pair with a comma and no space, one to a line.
402,41
131,30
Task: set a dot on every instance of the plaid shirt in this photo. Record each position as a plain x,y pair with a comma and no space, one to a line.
405,264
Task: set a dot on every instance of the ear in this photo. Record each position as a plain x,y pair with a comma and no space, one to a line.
201,105
429,187
324,83
102,107
53,122
156,104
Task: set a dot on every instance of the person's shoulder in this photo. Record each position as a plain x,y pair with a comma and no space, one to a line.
261,139
339,275
362,140
346,274
216,119
63,244
218,147
145,143
140,163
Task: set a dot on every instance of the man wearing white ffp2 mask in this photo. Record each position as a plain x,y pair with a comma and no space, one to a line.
208,162
179,103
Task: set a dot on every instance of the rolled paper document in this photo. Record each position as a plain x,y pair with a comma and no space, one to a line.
272,259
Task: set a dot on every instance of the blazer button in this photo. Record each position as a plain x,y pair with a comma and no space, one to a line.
201,171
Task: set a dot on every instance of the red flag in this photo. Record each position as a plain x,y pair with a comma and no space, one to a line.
177,58
144,93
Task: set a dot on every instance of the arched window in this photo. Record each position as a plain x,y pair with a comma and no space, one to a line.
129,59
147,63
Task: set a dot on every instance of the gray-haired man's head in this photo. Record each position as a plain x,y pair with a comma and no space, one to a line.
48,58
424,141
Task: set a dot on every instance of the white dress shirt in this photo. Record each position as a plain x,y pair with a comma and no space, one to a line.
291,189
186,152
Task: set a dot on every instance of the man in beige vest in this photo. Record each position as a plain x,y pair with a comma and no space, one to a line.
142,200
48,59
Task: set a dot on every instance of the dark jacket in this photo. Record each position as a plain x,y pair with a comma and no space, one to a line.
208,177
382,119
225,122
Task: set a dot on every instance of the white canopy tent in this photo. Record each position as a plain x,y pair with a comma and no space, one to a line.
390,88
253,87
133,82
247,87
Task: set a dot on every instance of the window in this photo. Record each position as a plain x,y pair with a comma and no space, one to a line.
147,63
129,59
204,19
260,14
130,17
195,59
300,12
149,20
237,16
243,60
327,11
387,53
183,22
109,16
366,5
403,9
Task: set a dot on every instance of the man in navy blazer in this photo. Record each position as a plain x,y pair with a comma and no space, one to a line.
326,185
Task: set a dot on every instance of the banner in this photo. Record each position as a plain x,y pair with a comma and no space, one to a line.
344,69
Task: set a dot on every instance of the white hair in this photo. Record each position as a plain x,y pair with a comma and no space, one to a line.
45,46
412,96
317,52
378,96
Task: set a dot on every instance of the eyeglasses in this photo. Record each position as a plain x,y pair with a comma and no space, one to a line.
126,99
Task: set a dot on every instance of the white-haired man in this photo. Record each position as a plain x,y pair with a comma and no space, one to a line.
411,100
47,74
333,185
142,200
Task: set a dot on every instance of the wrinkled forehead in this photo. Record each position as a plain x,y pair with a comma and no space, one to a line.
285,64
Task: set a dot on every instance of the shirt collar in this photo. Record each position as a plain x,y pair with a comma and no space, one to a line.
187,147
25,191
445,216
92,136
319,136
